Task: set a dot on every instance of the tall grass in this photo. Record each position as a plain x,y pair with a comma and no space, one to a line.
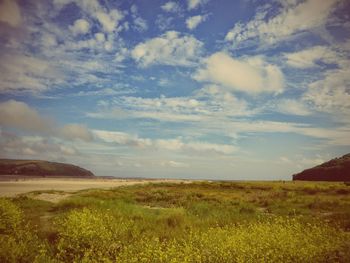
198,222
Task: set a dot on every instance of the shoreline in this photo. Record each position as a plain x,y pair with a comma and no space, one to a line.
18,186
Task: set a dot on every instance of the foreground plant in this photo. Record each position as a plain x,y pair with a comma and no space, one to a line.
18,242
91,236
199,222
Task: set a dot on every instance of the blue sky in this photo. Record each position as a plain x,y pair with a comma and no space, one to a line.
238,90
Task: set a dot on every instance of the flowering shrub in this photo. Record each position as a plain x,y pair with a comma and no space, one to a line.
10,216
90,236
18,243
278,240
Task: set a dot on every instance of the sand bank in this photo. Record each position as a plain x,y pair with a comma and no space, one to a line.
21,186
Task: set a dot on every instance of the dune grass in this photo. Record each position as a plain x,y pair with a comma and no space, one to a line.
195,222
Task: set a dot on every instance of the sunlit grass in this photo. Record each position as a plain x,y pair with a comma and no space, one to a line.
197,222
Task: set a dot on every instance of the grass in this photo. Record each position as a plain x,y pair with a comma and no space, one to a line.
196,222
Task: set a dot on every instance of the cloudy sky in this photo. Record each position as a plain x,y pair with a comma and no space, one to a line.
214,89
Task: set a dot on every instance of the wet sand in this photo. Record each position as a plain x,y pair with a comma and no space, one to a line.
21,186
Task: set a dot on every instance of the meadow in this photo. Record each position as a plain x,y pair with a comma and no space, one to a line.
181,222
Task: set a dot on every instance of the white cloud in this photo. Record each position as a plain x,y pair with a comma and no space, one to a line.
166,116
10,13
140,24
68,150
134,9
331,94
174,164
76,131
101,92
170,144
206,104
192,146
164,22
177,144
121,138
292,18
65,65
251,75
122,54
211,147
163,82
303,162
194,21
89,6
25,73
170,6
100,42
168,49
309,57
331,136
31,147
109,21
293,107
100,37
218,103
81,26
285,159
165,109
48,40
311,162
16,114
193,4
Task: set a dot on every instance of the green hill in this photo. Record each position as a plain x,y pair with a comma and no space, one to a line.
337,169
41,168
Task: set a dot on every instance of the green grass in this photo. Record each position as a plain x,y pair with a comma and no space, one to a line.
196,222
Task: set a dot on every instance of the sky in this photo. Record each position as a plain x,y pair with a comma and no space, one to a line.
200,89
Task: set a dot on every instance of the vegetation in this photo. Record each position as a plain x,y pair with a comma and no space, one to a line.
41,168
195,222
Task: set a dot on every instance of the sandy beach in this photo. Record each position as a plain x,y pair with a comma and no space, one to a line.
21,186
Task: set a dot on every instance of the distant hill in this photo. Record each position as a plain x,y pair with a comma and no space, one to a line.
337,169
41,168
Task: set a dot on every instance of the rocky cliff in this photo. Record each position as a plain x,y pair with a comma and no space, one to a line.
337,169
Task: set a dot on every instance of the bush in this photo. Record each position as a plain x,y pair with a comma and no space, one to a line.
96,236
278,240
90,235
10,216
18,242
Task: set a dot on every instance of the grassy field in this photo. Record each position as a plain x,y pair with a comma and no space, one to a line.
194,222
